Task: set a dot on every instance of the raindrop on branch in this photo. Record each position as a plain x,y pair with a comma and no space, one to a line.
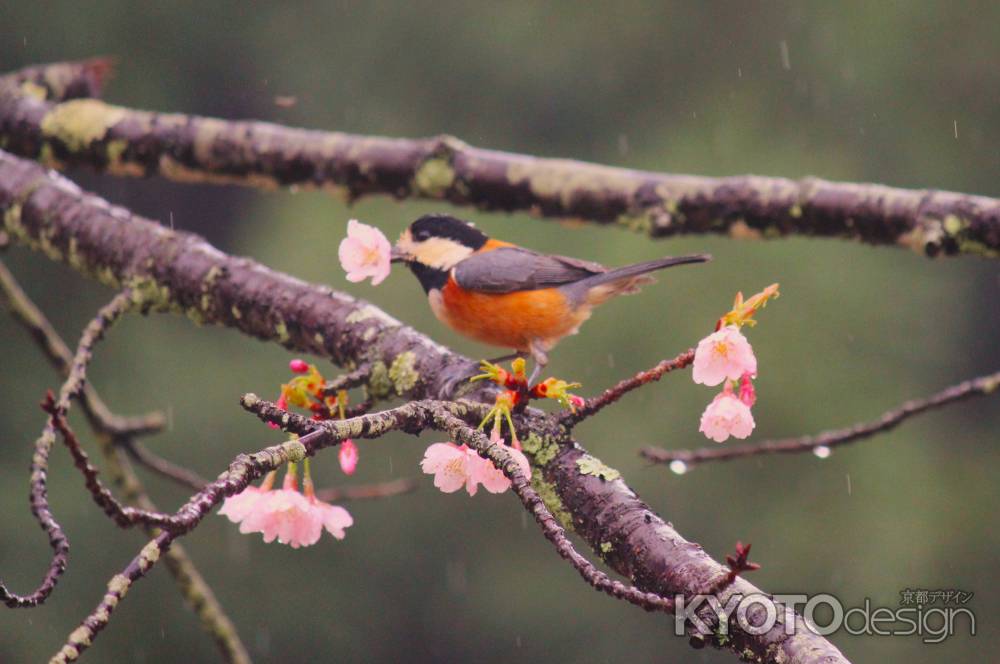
822,452
678,467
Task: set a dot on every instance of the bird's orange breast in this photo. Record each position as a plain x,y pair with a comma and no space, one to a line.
510,320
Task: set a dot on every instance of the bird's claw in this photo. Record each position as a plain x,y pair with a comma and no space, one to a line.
519,388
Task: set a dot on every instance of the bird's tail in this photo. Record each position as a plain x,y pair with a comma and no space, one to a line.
598,288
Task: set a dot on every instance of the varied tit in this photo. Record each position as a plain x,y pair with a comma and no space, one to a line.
501,294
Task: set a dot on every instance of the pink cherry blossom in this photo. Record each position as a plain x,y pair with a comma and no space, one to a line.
348,457
726,416
365,252
723,355
285,514
455,466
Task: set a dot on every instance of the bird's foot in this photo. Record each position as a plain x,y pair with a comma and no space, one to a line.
520,389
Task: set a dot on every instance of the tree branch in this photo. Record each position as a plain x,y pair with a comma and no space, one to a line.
189,148
113,431
975,387
180,272
594,405
73,386
24,311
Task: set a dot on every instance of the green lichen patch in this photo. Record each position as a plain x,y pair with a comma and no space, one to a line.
281,330
32,89
370,311
641,222
295,451
542,449
953,225
590,465
547,492
403,373
434,177
150,294
80,122
379,384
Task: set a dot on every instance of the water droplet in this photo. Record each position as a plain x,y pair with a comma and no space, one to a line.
822,452
678,467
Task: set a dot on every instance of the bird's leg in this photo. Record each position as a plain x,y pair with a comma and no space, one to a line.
508,357
541,359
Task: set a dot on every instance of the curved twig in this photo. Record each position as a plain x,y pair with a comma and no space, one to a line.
24,311
982,386
73,386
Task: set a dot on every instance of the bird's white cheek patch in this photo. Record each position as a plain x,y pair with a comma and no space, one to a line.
436,301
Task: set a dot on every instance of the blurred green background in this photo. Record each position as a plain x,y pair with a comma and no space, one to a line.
865,92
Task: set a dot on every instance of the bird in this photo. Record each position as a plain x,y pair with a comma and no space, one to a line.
505,295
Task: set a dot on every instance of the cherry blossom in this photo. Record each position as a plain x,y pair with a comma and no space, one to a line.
726,416
455,466
365,252
723,355
286,514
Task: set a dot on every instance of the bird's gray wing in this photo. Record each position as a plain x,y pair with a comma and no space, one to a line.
510,269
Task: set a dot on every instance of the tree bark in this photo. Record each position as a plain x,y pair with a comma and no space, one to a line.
35,123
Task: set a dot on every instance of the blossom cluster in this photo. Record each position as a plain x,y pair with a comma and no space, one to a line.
288,515
725,357
456,466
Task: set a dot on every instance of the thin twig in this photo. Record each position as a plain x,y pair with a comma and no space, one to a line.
553,531
163,467
595,404
122,515
367,491
441,415
112,431
243,470
348,380
24,311
73,386
982,386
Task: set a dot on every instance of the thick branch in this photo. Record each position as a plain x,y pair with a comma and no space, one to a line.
982,386
180,272
197,149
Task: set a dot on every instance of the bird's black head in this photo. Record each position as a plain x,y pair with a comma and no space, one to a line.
434,244
444,226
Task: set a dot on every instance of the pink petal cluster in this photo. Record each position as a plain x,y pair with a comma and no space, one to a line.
726,416
285,514
348,456
723,355
365,252
455,466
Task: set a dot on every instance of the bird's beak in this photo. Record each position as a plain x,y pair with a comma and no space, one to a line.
398,256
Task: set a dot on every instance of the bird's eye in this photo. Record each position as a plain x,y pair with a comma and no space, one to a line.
421,235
